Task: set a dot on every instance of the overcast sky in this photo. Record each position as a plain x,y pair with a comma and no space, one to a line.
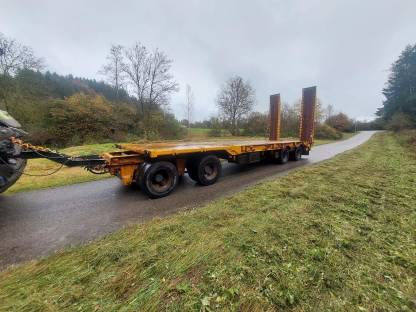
345,48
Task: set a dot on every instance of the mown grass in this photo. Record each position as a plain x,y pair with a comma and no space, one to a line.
337,236
34,177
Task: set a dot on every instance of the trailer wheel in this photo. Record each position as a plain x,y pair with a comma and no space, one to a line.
296,154
158,179
283,157
206,170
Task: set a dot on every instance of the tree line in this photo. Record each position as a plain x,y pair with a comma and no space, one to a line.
236,101
399,108
65,110
132,102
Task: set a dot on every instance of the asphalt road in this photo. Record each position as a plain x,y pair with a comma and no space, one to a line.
35,224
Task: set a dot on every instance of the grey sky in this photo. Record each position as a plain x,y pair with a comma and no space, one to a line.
343,47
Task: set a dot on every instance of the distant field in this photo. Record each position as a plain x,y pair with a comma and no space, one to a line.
198,133
336,236
67,176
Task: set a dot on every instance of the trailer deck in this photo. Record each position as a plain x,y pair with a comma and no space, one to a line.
199,159
231,147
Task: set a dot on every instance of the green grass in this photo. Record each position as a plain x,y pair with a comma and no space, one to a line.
336,236
198,133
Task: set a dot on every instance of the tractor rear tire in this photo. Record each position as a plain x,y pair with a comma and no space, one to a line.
158,179
10,173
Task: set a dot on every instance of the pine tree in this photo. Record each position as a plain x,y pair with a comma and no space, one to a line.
400,91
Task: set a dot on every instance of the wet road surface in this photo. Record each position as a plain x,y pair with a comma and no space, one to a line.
37,223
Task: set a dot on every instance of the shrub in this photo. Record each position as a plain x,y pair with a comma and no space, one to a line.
216,128
256,124
170,128
80,117
324,131
340,122
400,121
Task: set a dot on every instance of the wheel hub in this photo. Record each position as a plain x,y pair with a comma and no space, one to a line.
158,178
161,181
210,171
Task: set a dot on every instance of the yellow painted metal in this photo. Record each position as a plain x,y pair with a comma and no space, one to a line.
123,164
231,147
122,158
126,173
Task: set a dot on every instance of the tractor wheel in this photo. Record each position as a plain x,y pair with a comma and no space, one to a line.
206,170
283,157
158,179
11,172
296,154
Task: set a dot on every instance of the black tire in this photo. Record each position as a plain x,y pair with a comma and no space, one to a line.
296,154
206,170
158,179
10,173
283,157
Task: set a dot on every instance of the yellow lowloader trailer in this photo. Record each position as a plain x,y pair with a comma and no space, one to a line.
156,167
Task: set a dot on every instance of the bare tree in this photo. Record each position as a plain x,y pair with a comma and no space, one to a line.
189,105
13,58
149,74
136,70
161,82
290,119
235,100
113,70
319,112
329,111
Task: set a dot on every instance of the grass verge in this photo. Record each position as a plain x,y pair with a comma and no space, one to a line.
33,179
337,236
